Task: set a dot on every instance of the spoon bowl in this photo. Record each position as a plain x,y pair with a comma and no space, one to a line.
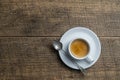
57,45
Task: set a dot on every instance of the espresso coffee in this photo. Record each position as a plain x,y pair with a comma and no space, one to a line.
79,48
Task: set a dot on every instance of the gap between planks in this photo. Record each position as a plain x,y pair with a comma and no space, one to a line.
57,36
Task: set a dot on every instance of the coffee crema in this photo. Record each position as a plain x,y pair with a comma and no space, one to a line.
79,48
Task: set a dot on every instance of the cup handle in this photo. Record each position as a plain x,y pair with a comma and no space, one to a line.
89,59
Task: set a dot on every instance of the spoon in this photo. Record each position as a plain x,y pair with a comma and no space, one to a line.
58,46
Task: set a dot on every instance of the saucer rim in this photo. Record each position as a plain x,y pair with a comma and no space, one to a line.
97,38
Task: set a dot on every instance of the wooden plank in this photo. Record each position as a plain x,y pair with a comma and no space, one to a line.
54,17
33,58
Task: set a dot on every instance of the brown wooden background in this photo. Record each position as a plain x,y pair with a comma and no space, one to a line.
28,27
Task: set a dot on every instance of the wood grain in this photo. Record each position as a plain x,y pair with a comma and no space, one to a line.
33,58
28,28
54,17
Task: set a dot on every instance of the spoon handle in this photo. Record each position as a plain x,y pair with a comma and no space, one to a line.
74,62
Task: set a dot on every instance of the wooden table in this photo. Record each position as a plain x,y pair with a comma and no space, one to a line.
28,28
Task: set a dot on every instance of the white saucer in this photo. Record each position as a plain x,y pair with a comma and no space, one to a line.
85,33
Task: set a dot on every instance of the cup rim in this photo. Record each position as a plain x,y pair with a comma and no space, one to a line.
72,53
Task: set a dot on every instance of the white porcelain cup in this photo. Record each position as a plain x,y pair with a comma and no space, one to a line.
87,57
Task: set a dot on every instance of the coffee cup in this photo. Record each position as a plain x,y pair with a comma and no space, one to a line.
80,49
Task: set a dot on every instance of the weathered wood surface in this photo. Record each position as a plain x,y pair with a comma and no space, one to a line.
54,17
34,58
28,27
